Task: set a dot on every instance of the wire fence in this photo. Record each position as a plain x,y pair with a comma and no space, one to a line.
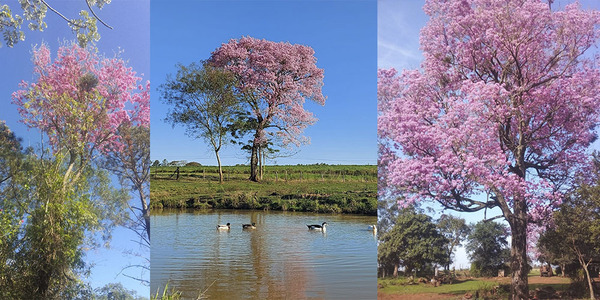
272,173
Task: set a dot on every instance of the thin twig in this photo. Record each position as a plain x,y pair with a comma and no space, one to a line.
95,15
62,16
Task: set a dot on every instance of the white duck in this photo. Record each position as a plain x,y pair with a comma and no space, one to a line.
224,227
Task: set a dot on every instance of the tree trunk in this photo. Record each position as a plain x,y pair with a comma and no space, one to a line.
220,168
396,270
254,163
589,280
145,213
518,251
260,163
585,266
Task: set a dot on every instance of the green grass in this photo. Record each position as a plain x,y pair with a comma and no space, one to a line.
485,286
460,287
314,188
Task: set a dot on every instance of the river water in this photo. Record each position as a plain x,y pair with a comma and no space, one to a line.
280,259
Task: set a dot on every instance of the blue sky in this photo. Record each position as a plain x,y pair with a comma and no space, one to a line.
130,20
343,35
398,27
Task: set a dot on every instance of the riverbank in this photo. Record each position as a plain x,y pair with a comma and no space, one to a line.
312,188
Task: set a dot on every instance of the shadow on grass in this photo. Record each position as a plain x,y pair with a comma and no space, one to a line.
555,286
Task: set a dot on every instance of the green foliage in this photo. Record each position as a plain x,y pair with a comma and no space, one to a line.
115,291
51,219
576,234
487,248
413,242
455,230
34,12
166,294
205,100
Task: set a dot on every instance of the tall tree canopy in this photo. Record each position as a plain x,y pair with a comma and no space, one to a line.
80,99
506,102
276,78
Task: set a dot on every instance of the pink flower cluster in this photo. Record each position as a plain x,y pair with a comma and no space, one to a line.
280,77
79,99
507,102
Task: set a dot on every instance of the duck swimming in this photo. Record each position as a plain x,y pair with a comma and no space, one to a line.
249,226
224,227
373,228
317,227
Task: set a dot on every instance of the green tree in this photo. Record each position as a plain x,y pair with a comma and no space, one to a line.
413,242
205,100
455,230
487,248
34,12
553,250
131,163
576,233
45,256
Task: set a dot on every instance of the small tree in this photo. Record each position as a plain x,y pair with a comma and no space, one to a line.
131,163
204,99
413,242
276,79
576,233
487,247
455,230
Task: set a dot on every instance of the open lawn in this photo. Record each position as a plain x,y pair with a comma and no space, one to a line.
314,188
488,288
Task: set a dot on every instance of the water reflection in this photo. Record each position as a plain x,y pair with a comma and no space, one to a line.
280,259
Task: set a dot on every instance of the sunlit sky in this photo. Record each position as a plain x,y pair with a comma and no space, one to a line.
398,27
343,35
131,22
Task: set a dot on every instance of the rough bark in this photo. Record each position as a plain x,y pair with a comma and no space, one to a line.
254,163
518,251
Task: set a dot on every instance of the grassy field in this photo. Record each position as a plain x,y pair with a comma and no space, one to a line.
486,288
314,188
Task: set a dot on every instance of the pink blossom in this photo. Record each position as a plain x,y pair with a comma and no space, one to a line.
79,99
506,102
281,77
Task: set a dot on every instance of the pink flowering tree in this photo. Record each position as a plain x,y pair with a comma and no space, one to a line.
82,103
276,78
506,103
79,100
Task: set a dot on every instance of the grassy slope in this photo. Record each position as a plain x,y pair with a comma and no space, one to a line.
317,188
